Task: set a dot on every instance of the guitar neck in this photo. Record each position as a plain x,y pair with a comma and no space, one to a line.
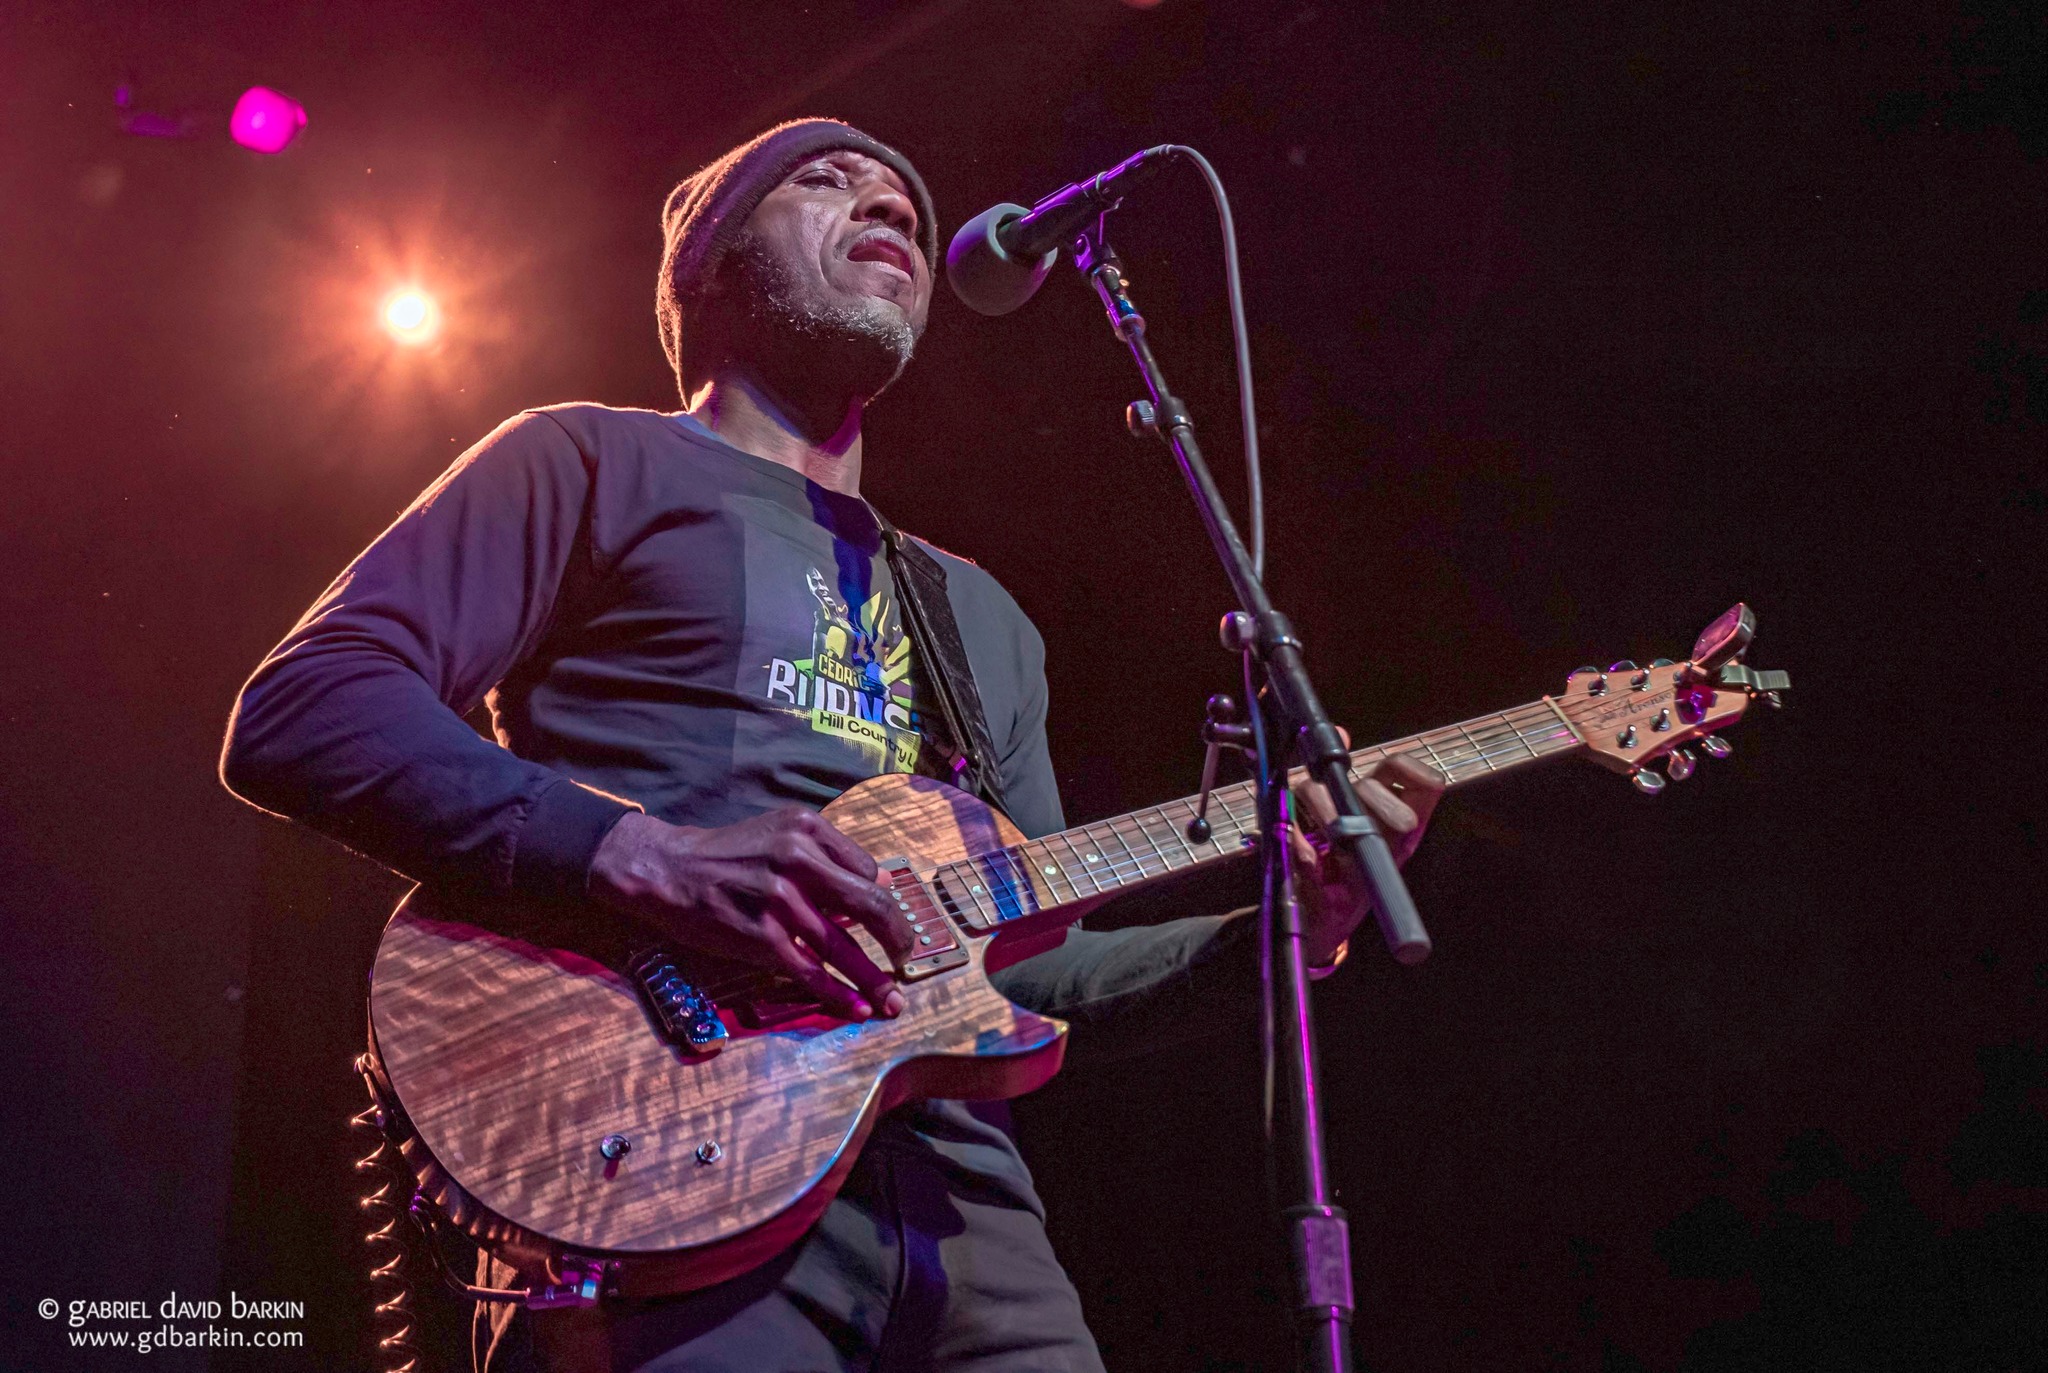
1093,861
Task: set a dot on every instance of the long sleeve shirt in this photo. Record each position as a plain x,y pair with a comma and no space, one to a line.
656,621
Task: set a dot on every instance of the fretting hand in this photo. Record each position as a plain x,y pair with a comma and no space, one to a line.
763,891
1401,792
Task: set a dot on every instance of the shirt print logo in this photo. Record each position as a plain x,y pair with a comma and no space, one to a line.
856,684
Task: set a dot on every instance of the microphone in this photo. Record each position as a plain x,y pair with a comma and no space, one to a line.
999,258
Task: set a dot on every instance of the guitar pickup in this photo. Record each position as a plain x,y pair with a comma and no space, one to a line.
935,944
684,1013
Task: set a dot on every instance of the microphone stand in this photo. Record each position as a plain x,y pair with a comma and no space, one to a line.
1318,1235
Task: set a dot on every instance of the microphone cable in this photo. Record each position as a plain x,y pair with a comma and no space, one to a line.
1233,285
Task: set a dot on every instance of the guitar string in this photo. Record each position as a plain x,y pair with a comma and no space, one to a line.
1450,760
1503,733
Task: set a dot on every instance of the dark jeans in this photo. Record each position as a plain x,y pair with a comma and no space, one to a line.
910,1268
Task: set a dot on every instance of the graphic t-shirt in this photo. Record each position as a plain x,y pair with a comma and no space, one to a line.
727,637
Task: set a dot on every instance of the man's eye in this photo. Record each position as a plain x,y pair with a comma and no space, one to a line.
822,177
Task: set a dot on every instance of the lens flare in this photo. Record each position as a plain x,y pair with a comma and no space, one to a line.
411,317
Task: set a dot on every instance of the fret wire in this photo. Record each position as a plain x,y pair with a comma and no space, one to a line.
1502,752
1104,865
1137,859
993,870
1049,870
1152,838
1067,837
1454,750
1129,868
1180,844
1520,737
1222,798
1479,748
1149,827
1488,743
1021,878
1430,749
963,877
981,872
1508,730
1504,749
977,891
1180,830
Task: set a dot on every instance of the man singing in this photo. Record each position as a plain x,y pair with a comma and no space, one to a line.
657,608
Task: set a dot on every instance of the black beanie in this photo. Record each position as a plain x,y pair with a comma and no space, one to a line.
706,211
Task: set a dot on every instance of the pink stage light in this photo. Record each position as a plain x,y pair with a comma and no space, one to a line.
266,120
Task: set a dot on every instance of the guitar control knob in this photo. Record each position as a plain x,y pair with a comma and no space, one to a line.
1647,782
1681,765
1714,746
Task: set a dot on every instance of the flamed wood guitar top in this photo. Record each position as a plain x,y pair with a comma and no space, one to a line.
515,1051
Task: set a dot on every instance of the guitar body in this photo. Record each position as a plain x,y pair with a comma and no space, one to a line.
513,1048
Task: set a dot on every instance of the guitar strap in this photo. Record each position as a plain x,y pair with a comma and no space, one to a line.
928,615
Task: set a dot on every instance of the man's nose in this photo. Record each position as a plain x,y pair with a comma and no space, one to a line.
882,203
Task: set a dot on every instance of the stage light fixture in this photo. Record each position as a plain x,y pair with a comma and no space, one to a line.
266,121
411,317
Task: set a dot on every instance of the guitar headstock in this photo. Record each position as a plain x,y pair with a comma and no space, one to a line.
1629,716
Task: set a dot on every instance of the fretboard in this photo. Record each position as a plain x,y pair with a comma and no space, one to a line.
1097,860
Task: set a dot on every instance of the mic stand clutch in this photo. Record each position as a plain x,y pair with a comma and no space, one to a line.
1287,708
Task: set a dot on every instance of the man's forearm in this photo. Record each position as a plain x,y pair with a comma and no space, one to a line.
1126,991
358,747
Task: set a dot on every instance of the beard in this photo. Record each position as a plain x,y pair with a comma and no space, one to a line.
775,317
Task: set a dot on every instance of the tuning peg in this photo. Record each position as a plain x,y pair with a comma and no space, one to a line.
1662,662
1623,665
1647,782
1715,747
1681,765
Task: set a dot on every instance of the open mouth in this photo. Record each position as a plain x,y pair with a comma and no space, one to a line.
884,247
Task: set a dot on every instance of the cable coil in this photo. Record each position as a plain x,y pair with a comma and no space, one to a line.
388,1203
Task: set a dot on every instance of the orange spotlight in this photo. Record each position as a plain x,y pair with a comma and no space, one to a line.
411,317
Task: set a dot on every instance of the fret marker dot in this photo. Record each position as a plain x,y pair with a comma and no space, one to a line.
1091,858
1050,869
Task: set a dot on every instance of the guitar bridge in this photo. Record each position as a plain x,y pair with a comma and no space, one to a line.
685,1014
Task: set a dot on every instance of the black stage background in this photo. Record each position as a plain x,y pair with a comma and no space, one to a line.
1574,325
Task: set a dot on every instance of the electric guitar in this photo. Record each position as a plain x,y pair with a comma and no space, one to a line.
622,1118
